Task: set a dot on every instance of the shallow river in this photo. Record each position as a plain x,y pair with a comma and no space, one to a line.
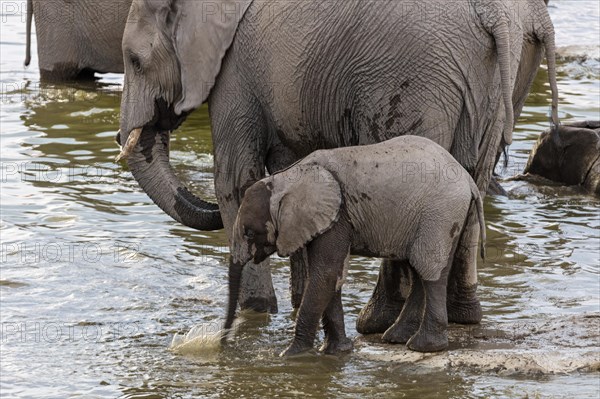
96,280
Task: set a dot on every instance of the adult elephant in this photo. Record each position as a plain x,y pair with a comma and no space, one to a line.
77,38
283,79
531,35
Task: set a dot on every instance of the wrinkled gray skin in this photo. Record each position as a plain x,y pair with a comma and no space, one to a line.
77,38
293,77
574,161
405,199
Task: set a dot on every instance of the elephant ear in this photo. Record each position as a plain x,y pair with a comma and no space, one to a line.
306,201
203,33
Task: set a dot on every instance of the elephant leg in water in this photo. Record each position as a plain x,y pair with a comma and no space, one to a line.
227,117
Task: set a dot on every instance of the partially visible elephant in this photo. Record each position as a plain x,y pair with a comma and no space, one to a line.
405,199
283,79
77,38
573,160
531,35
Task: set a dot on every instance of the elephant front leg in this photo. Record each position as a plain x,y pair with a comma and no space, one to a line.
298,269
239,151
256,289
326,256
334,327
319,291
280,157
387,300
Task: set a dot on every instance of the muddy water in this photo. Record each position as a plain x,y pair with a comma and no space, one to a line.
95,281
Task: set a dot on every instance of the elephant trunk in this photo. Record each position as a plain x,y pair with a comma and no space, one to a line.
148,160
502,38
28,34
235,277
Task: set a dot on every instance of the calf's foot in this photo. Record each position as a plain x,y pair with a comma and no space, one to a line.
336,346
400,333
428,341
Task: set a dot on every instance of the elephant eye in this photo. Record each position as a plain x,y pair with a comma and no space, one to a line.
135,62
249,234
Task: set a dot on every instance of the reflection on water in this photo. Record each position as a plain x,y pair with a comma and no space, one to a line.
95,280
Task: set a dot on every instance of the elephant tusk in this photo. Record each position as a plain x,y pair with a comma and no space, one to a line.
132,141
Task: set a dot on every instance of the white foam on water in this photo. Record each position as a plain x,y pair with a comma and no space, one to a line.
202,340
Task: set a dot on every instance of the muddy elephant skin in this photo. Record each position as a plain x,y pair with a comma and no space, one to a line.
363,200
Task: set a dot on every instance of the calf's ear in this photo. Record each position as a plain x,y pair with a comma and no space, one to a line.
306,201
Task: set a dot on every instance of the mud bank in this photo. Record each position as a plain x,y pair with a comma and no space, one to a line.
556,346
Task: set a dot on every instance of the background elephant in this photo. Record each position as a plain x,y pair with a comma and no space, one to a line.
284,79
77,38
574,160
363,201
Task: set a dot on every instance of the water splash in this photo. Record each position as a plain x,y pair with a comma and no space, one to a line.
202,340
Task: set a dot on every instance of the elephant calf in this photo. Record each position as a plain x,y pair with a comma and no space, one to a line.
405,199
572,160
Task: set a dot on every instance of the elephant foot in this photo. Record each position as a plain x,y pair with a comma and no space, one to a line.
334,347
494,188
256,291
385,305
464,312
377,316
400,333
260,304
295,348
428,341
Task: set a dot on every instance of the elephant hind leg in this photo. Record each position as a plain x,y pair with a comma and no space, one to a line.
433,331
428,322
409,321
387,300
462,303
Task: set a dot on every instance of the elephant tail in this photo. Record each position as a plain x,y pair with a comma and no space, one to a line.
28,39
502,38
476,195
